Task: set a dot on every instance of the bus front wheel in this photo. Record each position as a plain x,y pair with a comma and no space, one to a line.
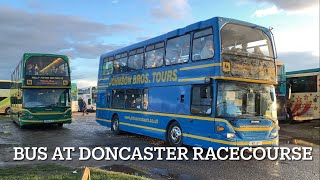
115,125
60,124
7,111
174,134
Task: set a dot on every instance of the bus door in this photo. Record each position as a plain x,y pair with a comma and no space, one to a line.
201,106
107,98
107,102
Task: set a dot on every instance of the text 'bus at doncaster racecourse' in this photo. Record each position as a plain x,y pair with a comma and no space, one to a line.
40,90
209,84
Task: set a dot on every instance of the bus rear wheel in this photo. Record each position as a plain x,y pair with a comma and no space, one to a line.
115,125
174,134
7,111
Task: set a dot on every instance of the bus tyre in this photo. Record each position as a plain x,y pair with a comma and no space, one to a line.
290,117
174,134
60,124
7,111
115,125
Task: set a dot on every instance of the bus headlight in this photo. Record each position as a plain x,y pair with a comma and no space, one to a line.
274,134
230,135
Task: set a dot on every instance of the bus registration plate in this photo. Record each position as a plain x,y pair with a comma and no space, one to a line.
255,143
48,121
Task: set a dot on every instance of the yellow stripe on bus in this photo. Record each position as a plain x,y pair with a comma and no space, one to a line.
229,78
143,127
191,79
105,120
238,143
247,128
244,80
258,128
200,66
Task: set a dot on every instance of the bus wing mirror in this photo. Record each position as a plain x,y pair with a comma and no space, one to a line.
208,80
289,93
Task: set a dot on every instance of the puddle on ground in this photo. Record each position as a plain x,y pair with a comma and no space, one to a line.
5,133
301,142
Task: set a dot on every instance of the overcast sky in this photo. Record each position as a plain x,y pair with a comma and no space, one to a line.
84,30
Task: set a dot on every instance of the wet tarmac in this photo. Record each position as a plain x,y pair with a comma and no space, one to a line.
85,132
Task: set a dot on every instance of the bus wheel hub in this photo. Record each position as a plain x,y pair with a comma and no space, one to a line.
175,134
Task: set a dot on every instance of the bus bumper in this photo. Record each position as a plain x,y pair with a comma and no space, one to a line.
24,122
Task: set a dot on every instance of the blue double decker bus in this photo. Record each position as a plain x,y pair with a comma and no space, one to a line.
210,84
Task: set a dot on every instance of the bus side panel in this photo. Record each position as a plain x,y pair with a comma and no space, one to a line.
193,136
103,116
304,106
170,99
149,125
101,99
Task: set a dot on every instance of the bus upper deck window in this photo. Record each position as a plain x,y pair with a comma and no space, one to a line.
154,55
202,47
177,50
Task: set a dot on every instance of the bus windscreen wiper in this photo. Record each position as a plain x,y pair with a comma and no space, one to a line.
51,105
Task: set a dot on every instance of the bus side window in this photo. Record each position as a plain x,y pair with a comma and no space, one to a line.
202,47
120,64
133,100
145,100
177,50
118,98
201,99
154,55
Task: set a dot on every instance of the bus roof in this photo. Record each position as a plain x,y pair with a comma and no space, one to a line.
45,54
181,31
304,71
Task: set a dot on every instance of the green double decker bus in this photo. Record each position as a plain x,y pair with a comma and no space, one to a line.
40,90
